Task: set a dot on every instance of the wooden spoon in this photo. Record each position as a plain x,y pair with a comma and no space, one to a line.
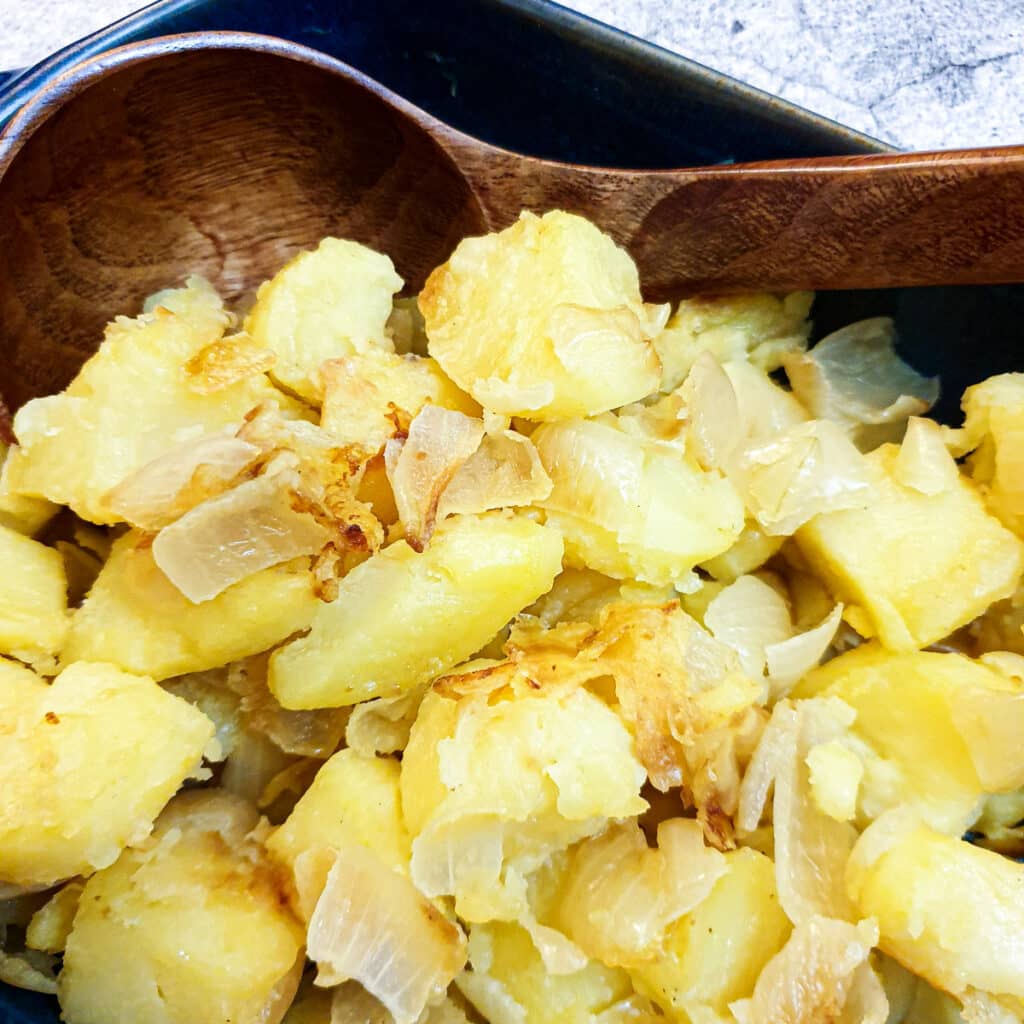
226,153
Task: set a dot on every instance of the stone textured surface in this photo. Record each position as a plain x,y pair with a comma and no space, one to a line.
918,73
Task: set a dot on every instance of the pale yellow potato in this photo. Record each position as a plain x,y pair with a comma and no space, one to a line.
18,512
190,928
352,798
129,404
994,424
369,396
327,302
918,566
33,599
951,912
761,328
510,985
403,617
751,550
714,954
136,618
542,320
86,765
494,784
631,508
945,729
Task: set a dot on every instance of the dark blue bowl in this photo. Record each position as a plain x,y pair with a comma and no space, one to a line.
534,77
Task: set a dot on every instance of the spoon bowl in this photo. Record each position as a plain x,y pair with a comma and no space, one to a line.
226,153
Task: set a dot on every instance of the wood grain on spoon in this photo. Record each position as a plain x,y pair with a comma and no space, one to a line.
226,153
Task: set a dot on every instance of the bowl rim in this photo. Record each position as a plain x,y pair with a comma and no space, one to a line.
553,17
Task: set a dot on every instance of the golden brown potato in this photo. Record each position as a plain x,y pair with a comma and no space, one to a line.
529,320
191,927
86,765
135,617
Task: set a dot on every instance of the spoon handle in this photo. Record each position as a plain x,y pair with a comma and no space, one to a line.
850,222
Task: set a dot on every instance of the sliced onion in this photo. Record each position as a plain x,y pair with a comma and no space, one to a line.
673,681
505,471
560,954
314,733
791,659
382,726
421,467
811,848
817,976
371,925
759,778
229,537
162,490
854,377
583,336
984,1008
227,361
714,413
621,896
750,616
924,462
30,970
808,470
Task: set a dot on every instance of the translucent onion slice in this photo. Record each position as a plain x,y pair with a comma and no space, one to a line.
819,975
371,925
314,733
714,413
789,660
162,490
924,462
808,470
504,472
382,726
30,970
229,537
421,467
854,377
750,616
811,848
621,896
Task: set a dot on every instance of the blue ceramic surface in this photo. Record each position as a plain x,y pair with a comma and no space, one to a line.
537,78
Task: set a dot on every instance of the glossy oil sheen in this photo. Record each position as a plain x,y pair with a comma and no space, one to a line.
539,79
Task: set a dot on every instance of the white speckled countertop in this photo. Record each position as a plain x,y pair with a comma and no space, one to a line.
918,73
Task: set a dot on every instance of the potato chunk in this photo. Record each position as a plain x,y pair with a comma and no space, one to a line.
353,798
994,427
85,766
714,954
325,303
631,508
33,599
18,512
190,928
918,565
542,320
945,730
951,912
129,404
509,984
403,617
136,618
494,783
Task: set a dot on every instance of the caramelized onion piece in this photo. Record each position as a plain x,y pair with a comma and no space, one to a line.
421,467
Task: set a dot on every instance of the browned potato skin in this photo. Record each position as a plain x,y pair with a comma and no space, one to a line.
192,927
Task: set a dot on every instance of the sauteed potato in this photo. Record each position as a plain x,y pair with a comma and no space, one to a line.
517,652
